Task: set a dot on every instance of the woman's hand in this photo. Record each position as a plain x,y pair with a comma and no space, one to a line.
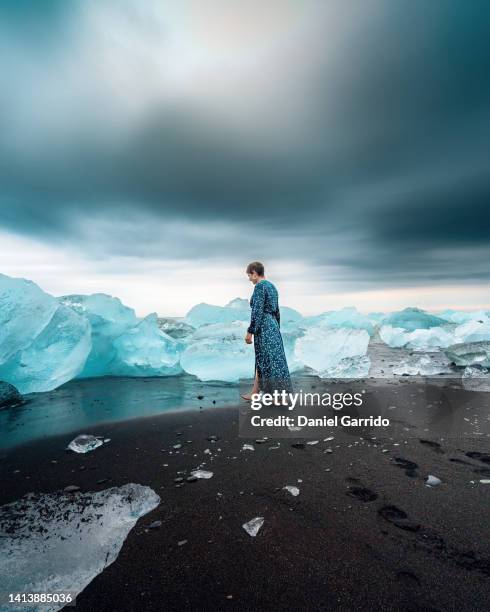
248,338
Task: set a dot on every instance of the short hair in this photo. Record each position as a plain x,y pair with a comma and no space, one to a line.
256,266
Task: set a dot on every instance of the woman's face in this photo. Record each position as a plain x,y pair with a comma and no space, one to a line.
253,277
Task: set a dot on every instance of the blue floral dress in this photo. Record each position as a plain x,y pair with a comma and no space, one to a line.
270,359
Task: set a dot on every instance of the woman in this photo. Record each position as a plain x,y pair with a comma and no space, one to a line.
271,368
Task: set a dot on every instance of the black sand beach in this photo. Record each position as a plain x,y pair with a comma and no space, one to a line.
365,532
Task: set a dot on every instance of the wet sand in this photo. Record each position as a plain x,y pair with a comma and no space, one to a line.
365,532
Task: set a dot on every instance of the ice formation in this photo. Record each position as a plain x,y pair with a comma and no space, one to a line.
59,542
84,443
349,367
9,395
348,317
43,344
219,352
420,365
253,526
475,378
470,353
323,348
411,319
419,339
122,344
46,341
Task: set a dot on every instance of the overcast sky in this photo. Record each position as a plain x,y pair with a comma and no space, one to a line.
150,149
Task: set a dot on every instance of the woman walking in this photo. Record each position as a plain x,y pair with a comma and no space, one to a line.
271,368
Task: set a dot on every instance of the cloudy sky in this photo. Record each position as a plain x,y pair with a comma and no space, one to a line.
149,149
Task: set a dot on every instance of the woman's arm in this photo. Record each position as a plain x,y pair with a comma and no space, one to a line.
257,308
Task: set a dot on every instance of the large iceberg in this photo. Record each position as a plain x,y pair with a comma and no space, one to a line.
219,352
474,330
236,310
122,344
348,317
60,541
411,319
419,339
323,348
42,344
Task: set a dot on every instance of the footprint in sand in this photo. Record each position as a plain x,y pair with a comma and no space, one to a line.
398,517
483,457
435,446
362,494
409,466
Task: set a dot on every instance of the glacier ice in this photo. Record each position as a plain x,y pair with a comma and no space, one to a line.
122,344
175,327
144,350
323,348
349,367
207,314
472,331
459,316
253,526
348,317
84,443
218,352
419,339
420,365
475,378
411,319
9,395
43,344
25,310
470,353
60,541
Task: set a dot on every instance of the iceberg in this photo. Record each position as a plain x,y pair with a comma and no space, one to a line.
175,327
207,314
411,319
144,350
9,395
122,344
348,317
470,353
419,339
458,316
60,541
323,348
25,310
218,352
43,344
472,331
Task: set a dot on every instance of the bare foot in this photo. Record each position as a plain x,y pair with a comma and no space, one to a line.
247,398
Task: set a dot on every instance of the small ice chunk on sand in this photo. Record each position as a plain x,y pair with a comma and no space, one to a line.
249,447
85,443
485,481
293,490
432,481
312,442
253,526
202,474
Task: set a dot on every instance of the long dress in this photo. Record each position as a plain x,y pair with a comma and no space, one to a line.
270,360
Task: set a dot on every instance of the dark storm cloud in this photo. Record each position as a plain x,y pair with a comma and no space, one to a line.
385,168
